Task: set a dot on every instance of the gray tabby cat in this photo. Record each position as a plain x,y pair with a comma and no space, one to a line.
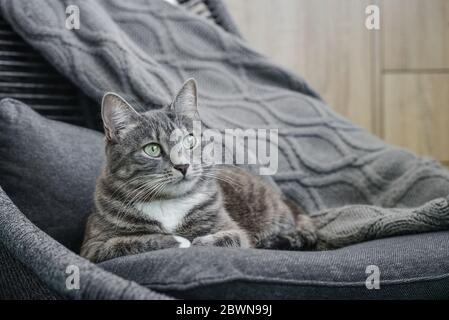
146,200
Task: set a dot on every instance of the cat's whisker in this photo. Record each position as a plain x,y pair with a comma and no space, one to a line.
133,180
152,193
143,185
228,180
147,187
220,172
155,190
142,190
159,190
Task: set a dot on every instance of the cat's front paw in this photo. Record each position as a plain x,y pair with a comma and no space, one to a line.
183,242
208,240
232,238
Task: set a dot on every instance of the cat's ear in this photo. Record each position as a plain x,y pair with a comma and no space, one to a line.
187,98
118,116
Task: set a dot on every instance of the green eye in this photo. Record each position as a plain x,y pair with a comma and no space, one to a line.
152,149
189,141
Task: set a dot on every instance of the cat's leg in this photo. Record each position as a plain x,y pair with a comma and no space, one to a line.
97,251
307,229
228,238
294,240
301,236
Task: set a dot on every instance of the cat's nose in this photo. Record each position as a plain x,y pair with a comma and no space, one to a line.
182,168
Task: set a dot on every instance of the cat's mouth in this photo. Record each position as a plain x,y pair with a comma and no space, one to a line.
179,179
181,185
184,179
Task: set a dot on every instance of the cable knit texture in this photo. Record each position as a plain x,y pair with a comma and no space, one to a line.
145,49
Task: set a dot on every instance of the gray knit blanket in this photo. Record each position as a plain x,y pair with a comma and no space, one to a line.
356,186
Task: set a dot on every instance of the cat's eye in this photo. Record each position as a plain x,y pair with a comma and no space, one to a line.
189,141
153,150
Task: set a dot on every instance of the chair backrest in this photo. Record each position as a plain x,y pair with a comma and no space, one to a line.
25,75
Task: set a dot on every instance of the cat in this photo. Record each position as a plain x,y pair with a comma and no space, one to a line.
145,200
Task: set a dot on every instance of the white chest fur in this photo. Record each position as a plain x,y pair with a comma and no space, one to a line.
170,213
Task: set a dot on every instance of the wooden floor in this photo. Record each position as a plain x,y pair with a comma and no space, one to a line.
393,81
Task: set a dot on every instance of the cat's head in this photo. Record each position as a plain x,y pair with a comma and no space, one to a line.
153,150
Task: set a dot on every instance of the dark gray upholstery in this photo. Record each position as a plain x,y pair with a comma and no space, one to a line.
49,168
411,267
17,281
35,255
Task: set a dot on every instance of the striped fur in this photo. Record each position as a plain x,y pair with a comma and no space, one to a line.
144,204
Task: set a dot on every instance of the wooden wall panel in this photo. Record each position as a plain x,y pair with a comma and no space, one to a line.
394,82
325,41
416,34
416,113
